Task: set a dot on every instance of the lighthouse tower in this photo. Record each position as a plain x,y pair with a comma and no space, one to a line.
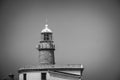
46,47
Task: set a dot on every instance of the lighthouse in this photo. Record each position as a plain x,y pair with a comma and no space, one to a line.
47,69
46,47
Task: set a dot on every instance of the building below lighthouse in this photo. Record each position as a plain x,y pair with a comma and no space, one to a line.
47,69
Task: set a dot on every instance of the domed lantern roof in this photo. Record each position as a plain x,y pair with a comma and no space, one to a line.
46,29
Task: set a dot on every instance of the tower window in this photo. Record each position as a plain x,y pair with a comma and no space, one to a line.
43,76
24,77
47,36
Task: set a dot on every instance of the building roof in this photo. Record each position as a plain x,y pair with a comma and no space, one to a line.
64,73
51,67
46,29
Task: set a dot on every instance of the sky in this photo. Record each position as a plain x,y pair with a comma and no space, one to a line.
84,31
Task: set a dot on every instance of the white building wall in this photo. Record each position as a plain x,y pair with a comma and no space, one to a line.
20,76
33,76
37,76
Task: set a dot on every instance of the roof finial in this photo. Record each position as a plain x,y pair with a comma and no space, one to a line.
46,23
46,27
46,20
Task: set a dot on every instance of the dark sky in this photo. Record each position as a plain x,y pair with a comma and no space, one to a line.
85,32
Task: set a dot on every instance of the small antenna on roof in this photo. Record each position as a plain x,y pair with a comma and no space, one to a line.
46,22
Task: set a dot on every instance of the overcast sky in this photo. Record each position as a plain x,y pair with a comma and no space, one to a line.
85,32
